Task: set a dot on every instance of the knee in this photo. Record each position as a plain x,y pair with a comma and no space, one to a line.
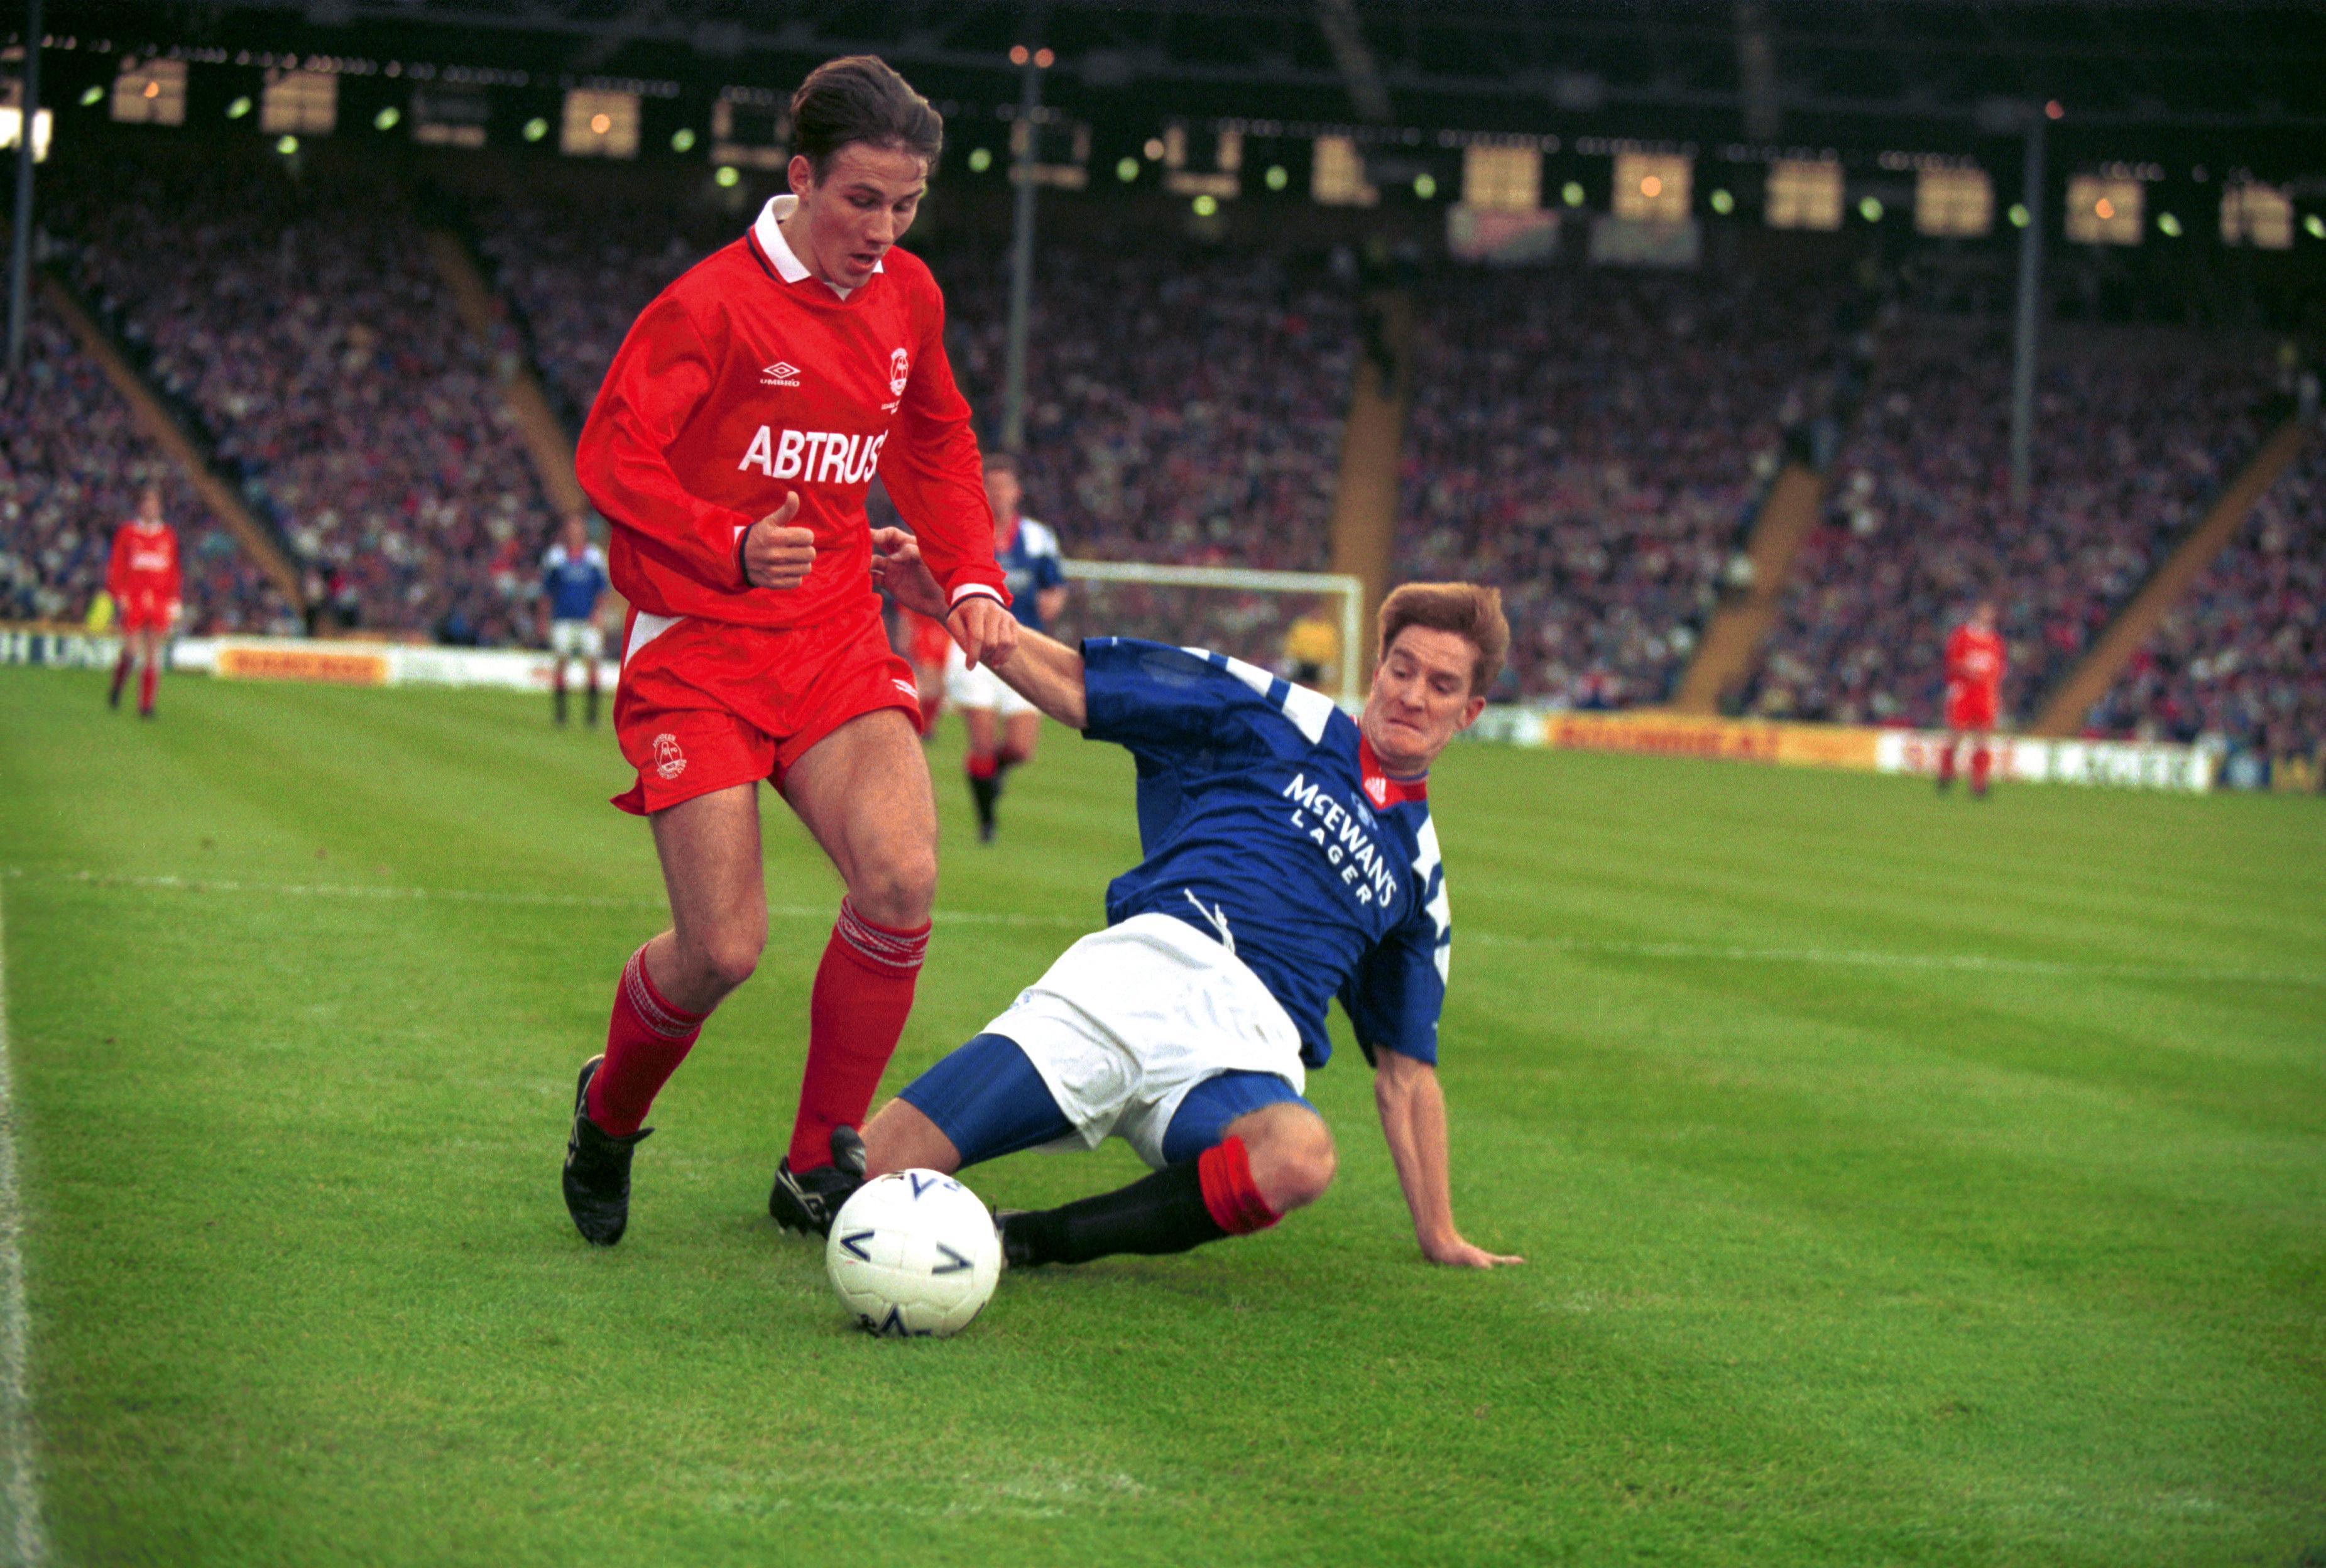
899,888
1295,1163
725,958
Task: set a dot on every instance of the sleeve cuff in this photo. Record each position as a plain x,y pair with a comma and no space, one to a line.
977,591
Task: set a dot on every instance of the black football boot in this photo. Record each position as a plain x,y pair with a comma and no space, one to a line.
805,1200
598,1169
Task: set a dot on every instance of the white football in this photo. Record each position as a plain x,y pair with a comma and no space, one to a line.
913,1254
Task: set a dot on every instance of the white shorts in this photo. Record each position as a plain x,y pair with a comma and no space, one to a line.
1133,1017
980,687
576,640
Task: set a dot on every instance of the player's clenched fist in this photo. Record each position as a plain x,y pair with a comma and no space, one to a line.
774,554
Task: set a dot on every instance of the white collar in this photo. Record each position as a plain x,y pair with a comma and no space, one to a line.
767,229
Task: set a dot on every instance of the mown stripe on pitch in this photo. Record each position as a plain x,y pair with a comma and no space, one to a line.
1682,952
27,1540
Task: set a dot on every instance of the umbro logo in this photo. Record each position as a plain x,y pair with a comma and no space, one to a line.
780,373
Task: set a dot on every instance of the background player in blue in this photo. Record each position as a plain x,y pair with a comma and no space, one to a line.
573,582
1002,725
1290,859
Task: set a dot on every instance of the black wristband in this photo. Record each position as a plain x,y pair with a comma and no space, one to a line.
742,569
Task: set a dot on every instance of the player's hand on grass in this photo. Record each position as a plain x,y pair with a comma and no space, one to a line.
774,554
897,566
987,633
1455,1253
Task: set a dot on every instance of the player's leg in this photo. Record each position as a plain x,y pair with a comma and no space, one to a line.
984,1100
710,851
1020,732
981,763
1244,1150
1947,759
149,668
1982,758
863,792
556,683
121,665
589,675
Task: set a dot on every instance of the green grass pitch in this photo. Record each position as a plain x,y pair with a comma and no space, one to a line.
1904,1179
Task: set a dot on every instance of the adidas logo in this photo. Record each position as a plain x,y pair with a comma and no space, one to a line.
780,373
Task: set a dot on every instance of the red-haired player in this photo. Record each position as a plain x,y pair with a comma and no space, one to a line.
1974,659
731,447
145,583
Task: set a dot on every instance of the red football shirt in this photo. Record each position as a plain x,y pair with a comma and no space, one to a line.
143,571
749,378
1974,661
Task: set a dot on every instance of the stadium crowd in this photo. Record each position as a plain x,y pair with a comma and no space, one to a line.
2241,659
72,463
305,326
2131,440
1594,443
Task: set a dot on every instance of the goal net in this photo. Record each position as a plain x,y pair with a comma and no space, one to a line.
1303,626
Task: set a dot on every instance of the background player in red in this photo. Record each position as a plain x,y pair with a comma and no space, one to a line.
927,645
145,583
731,449
1974,659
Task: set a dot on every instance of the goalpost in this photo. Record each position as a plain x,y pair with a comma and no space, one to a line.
1230,610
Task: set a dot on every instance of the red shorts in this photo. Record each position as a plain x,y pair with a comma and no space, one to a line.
706,705
1971,707
145,612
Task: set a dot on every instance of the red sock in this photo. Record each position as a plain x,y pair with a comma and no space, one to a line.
863,994
1947,762
121,672
978,767
646,1040
1979,760
1230,1193
146,678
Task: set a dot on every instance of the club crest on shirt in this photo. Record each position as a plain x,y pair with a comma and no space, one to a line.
899,365
669,760
1377,789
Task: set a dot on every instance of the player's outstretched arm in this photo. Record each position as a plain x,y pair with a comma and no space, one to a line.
1042,669
1413,1120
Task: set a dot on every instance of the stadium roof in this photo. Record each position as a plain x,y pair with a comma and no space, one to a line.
1850,70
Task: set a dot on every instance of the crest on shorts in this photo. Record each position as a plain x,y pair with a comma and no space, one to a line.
899,363
669,761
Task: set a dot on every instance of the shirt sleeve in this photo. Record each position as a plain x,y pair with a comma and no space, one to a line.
661,374
1048,570
1159,700
174,579
1397,989
934,476
116,570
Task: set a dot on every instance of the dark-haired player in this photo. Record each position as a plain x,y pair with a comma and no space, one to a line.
1975,661
145,582
731,447
1290,859
1002,726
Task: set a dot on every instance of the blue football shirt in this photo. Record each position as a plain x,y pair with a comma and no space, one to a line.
1029,565
1267,825
573,582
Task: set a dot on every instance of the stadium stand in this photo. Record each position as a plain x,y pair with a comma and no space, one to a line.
72,463
2243,657
1593,441
2134,431
304,325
